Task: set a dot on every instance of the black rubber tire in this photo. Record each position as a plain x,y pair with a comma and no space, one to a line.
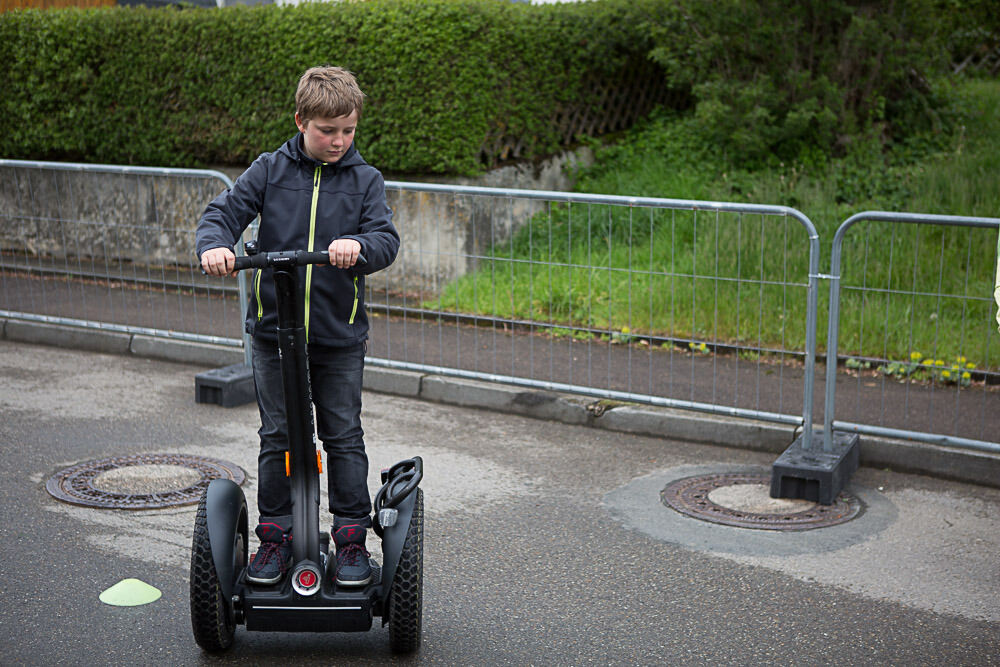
212,617
406,596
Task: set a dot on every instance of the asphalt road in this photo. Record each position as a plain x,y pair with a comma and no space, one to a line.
545,543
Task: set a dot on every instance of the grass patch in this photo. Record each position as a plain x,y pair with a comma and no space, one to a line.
741,279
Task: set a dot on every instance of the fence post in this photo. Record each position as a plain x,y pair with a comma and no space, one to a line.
833,332
804,470
996,287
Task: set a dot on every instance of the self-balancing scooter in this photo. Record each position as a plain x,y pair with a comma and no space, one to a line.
309,600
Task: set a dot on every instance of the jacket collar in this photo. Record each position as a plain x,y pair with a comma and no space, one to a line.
293,149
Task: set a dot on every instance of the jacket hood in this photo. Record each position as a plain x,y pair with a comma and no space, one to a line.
293,148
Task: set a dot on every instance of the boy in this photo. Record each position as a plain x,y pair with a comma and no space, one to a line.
315,192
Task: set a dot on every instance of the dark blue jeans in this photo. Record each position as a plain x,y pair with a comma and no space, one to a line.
335,374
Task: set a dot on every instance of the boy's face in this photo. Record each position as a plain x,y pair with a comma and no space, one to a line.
327,139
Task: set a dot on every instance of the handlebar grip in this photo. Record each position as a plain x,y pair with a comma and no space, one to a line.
304,257
323,257
247,262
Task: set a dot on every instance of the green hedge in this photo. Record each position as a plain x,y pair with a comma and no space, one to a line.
187,87
764,80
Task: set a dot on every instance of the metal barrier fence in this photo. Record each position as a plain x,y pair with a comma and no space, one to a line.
674,303
665,302
923,342
704,306
110,247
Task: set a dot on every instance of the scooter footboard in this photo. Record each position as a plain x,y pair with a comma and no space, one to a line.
279,609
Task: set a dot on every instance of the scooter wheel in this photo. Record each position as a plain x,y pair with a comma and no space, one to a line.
212,617
406,594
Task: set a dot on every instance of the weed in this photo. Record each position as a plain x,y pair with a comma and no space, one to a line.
857,364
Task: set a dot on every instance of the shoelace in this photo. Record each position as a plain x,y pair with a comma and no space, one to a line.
267,551
348,556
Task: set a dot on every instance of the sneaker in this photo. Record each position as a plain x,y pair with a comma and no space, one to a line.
353,567
273,558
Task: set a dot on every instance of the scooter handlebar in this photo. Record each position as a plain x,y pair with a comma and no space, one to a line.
286,258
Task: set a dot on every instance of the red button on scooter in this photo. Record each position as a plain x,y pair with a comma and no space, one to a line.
307,578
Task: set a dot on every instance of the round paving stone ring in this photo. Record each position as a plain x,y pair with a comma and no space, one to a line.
743,500
139,482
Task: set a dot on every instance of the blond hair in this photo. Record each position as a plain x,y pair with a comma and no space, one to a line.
327,92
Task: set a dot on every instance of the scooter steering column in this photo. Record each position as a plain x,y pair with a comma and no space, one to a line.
294,357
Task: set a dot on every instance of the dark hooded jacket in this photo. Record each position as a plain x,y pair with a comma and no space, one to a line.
305,204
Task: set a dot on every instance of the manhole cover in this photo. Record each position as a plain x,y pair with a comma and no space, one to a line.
743,500
143,481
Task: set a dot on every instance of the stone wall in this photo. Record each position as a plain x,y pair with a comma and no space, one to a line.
444,235
146,219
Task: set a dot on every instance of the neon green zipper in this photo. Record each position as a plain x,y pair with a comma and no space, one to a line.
354,308
256,290
312,232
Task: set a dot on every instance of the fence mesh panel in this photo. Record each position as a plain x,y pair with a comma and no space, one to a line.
916,333
114,247
648,297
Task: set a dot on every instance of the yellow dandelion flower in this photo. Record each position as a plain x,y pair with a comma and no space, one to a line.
625,330
970,365
916,356
961,360
946,374
927,362
966,375
939,362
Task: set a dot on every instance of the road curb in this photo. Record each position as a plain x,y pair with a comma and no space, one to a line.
505,398
876,452
926,459
42,333
699,427
185,351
